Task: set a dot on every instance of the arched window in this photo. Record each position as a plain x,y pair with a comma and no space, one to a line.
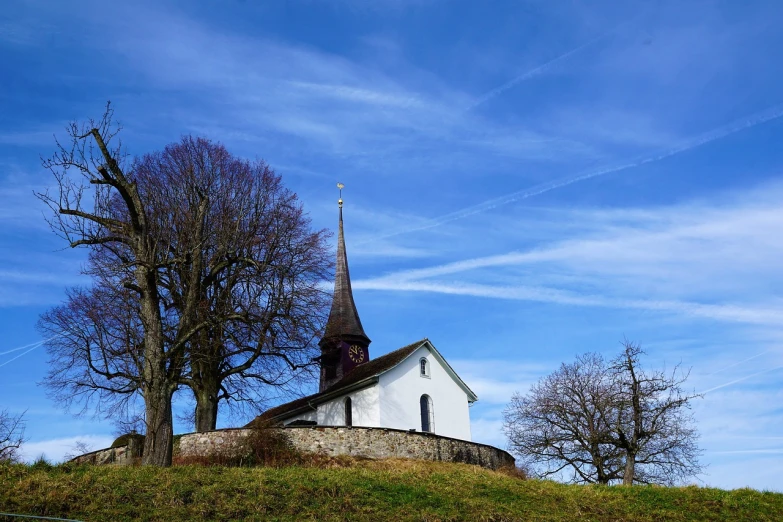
424,367
427,417
348,412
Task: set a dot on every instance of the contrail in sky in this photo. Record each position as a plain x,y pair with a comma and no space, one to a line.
30,348
742,379
25,346
740,362
534,72
717,133
34,346
543,67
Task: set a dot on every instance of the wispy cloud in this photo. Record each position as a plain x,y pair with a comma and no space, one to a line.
766,451
717,133
730,313
288,91
34,282
698,259
540,69
359,95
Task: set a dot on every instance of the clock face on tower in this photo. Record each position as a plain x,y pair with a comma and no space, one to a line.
356,353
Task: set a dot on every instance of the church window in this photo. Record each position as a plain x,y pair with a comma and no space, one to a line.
424,367
427,417
348,412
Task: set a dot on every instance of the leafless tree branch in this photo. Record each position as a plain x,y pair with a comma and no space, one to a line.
606,422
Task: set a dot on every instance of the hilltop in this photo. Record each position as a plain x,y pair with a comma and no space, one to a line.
354,490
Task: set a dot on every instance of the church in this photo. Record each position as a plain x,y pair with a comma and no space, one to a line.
412,388
408,403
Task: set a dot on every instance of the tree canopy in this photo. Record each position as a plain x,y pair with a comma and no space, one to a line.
11,436
599,421
206,274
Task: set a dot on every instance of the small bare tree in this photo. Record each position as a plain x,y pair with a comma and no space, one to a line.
606,422
11,436
652,421
80,447
561,424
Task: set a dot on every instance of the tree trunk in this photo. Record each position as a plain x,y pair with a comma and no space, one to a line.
205,370
156,385
630,465
160,430
206,405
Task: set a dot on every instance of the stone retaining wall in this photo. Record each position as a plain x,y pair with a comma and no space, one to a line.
121,456
376,443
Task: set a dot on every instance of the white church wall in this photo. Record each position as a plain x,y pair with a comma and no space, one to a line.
364,403
401,389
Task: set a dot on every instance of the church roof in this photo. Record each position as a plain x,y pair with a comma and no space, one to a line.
361,373
344,319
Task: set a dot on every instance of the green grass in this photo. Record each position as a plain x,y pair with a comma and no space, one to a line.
396,490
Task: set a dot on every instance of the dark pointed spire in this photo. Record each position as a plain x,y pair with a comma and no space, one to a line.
344,323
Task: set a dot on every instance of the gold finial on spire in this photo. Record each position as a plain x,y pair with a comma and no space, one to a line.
340,201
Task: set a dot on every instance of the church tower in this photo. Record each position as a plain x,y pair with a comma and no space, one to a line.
344,344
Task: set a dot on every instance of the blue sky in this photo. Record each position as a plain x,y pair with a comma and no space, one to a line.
525,180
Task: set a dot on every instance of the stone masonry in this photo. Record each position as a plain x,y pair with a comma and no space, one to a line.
120,456
375,443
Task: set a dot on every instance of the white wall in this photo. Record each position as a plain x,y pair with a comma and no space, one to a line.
364,402
401,389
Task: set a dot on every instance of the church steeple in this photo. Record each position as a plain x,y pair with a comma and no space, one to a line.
344,344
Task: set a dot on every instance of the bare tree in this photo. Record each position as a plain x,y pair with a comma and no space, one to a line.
97,205
80,447
653,424
253,264
606,422
96,350
206,274
11,436
560,425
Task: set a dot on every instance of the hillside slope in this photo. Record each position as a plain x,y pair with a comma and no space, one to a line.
384,490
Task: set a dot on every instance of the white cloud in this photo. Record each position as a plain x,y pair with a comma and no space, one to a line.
488,431
718,312
717,260
55,450
360,95
495,380
347,107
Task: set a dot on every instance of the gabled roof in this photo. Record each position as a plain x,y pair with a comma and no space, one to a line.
472,396
375,367
361,376
358,377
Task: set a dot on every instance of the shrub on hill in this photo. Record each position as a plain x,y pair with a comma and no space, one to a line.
128,439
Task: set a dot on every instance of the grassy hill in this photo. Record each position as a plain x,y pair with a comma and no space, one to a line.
366,490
